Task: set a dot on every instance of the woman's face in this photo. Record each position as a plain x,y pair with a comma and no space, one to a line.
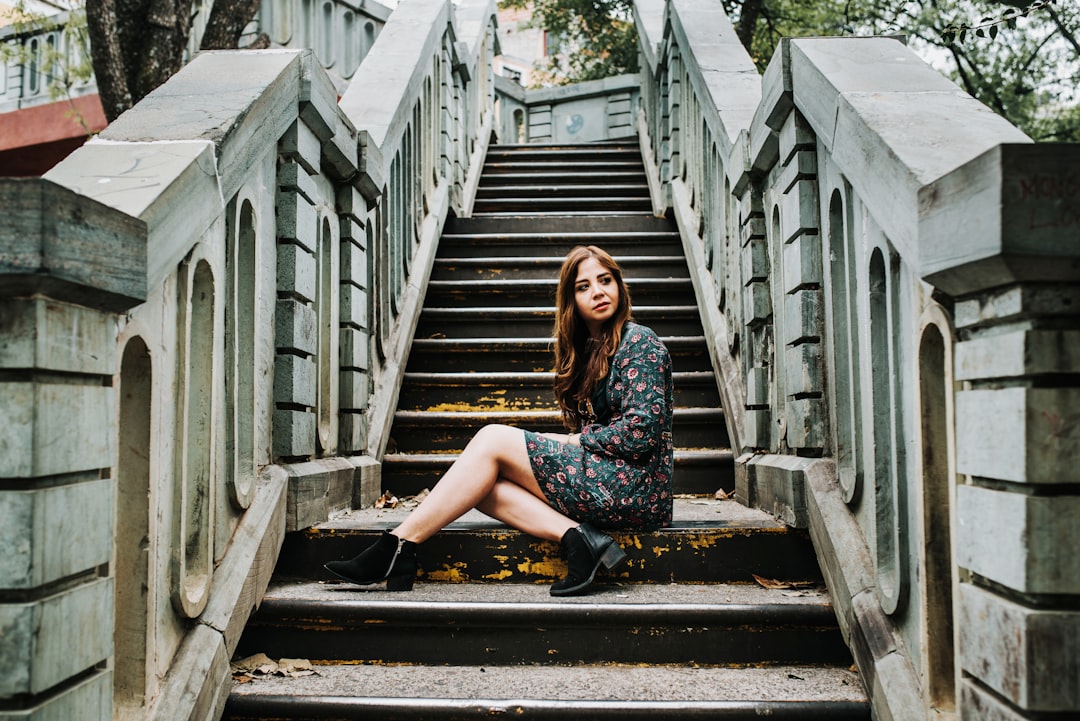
596,294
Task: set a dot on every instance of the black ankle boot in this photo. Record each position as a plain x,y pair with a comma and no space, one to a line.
389,559
585,549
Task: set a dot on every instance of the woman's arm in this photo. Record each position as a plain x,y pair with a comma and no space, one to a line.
642,367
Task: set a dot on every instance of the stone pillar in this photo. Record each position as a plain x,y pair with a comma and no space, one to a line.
1001,236
68,266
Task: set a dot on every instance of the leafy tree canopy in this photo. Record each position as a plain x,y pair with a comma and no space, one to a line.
587,39
1019,57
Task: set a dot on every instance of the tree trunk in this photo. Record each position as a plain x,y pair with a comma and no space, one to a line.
227,21
106,57
135,46
748,17
158,43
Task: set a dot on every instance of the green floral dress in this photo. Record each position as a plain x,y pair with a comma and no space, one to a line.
621,475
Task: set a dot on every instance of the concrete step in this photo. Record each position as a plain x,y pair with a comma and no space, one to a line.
522,156
688,353
539,321
449,431
509,174
709,542
504,624
609,203
545,693
513,244
667,265
613,188
541,291
552,227
494,391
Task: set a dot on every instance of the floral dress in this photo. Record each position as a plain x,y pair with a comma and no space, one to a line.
620,476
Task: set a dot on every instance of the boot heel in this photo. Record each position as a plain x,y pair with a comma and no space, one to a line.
402,582
612,556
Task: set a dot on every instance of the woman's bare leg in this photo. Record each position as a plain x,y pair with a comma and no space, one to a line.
496,454
520,509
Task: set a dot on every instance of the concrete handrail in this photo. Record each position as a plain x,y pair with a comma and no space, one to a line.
852,219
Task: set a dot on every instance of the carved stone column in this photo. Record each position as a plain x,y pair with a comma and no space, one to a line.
1001,235
68,266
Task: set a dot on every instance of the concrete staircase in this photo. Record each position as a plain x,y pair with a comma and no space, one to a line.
682,631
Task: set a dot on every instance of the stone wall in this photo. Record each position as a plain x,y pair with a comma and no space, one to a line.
887,273
580,113
205,313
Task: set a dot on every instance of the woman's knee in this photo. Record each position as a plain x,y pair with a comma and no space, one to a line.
496,436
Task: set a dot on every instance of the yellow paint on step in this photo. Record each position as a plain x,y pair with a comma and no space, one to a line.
457,573
548,567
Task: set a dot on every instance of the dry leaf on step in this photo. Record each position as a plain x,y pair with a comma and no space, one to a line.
295,667
258,663
387,500
414,501
774,584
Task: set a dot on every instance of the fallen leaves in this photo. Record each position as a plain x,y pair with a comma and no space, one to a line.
774,585
260,665
388,500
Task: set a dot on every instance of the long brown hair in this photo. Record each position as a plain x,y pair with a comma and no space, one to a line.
580,361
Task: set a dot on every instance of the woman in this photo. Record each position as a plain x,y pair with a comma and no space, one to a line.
613,382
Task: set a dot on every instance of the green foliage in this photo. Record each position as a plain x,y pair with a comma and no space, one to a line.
63,64
587,39
990,25
1019,57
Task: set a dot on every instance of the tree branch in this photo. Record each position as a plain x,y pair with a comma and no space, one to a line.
748,18
227,22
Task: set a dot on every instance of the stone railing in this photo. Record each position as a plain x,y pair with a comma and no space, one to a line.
887,274
207,311
579,113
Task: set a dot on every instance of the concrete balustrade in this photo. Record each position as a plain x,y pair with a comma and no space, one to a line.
234,267
887,274
578,113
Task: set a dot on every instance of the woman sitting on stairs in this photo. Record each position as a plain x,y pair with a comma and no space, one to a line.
613,381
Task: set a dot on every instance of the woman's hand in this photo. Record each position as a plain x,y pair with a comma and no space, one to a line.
573,439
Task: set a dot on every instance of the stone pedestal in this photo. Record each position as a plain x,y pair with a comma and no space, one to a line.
68,265
1001,235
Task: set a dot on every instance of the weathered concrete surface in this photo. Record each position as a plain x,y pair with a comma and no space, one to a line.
727,74
578,682
1026,534
89,698
1027,655
50,640
53,533
890,122
884,662
172,187
318,490
58,243
778,484
1009,215
52,335
1018,353
996,424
